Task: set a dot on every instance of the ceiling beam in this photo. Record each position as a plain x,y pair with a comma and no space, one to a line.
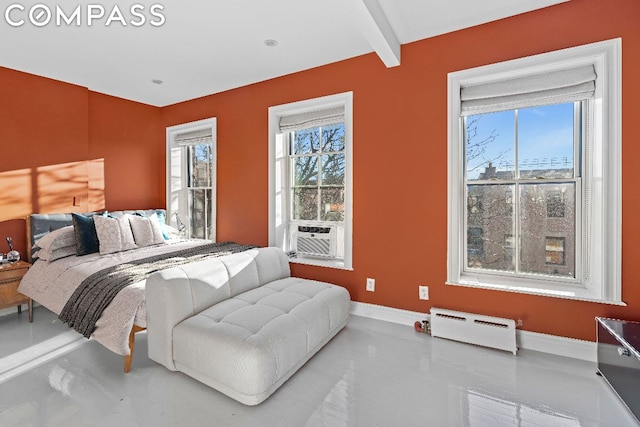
378,31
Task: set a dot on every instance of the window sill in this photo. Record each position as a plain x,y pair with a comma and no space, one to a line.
566,293
320,262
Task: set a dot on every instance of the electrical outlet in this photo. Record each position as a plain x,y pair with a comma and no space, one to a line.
371,285
423,292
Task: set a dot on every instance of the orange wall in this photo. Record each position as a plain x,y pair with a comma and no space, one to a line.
400,127
130,139
61,141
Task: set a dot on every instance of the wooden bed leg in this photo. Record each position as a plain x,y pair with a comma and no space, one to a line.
132,343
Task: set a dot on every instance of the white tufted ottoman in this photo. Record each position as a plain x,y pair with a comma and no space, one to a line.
244,344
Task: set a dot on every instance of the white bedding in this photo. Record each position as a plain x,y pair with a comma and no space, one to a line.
51,284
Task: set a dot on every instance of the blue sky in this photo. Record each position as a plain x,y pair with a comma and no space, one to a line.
545,134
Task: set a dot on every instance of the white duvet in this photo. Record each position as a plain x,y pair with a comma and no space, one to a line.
51,284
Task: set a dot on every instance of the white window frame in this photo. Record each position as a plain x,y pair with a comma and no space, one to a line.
176,173
279,203
603,283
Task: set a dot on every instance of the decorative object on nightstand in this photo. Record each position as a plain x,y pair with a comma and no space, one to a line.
12,255
10,276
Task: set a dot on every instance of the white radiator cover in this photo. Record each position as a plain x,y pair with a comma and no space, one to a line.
495,332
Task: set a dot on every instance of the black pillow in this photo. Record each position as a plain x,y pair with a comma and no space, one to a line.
86,236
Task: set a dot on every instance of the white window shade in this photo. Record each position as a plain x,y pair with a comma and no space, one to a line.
202,136
311,119
558,86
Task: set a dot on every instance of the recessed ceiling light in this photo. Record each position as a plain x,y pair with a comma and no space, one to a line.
157,81
271,42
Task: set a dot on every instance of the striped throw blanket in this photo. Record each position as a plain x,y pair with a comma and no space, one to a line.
95,292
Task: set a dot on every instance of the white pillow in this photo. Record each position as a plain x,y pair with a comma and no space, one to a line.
114,234
146,230
171,233
52,255
60,238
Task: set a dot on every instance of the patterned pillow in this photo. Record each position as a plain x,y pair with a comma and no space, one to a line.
146,230
114,234
60,238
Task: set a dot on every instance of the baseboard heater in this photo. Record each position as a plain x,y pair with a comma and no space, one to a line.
494,332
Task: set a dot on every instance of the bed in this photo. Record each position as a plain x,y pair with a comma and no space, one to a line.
69,279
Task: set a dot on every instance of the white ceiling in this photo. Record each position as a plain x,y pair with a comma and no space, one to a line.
206,47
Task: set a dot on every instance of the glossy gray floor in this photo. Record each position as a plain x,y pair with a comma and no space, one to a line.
373,373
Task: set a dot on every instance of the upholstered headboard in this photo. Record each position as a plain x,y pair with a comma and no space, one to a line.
39,225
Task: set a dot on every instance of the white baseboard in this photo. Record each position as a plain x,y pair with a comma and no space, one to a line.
552,344
560,346
388,314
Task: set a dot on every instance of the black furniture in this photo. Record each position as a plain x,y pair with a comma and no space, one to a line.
619,359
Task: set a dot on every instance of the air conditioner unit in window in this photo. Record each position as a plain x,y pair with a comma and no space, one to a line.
316,241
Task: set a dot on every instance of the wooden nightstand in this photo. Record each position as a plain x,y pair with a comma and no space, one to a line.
10,276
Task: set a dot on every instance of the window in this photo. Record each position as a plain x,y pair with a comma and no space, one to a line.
474,204
317,161
191,178
508,202
199,189
508,139
534,175
554,250
555,204
310,180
